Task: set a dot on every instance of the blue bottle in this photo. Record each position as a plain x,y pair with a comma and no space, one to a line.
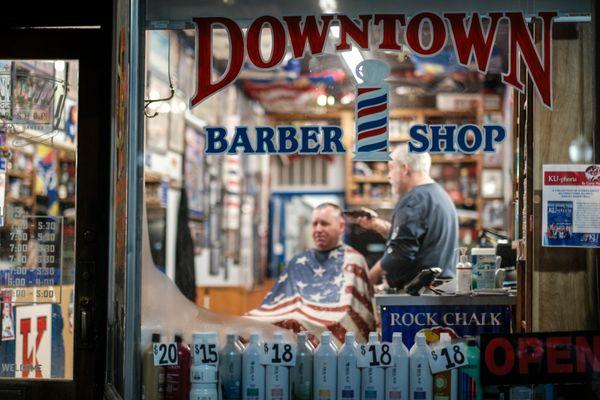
230,368
277,378
348,383
397,375
421,380
325,369
253,372
302,373
373,378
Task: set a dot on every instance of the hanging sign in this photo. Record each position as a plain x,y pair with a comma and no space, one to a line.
571,205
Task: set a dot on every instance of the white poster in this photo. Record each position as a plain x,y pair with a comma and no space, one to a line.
33,349
571,205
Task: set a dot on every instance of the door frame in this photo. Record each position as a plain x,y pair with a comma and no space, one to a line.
88,45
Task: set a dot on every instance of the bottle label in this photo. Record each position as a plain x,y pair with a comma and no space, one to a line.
252,393
395,394
324,394
420,395
370,394
276,393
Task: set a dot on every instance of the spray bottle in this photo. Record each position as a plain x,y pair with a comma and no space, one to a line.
397,374
325,369
178,376
253,372
470,384
230,368
302,372
348,383
373,378
153,377
445,383
277,378
421,383
204,375
464,273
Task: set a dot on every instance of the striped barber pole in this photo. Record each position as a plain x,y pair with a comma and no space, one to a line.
372,112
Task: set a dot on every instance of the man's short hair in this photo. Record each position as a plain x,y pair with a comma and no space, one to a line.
417,162
335,207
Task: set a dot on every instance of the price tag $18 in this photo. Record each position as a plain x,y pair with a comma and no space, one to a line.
164,354
275,353
453,355
374,355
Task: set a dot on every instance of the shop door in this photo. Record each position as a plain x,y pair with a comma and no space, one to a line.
54,176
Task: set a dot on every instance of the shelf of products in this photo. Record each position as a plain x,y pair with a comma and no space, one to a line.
459,174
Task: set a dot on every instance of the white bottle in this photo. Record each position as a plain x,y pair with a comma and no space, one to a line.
421,382
277,378
301,374
373,378
203,376
325,369
464,273
445,383
348,383
253,372
397,375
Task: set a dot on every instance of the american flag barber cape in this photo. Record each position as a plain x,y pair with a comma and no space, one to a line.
332,294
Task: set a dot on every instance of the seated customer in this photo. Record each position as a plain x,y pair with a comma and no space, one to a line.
323,288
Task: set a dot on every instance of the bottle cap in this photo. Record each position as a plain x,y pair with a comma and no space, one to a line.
445,338
156,337
178,338
278,337
301,337
254,337
325,337
373,337
204,337
231,337
349,337
421,341
396,337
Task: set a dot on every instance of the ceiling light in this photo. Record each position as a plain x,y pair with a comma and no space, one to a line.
328,6
322,100
330,100
347,98
59,66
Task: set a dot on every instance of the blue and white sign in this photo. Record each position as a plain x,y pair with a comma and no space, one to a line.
465,320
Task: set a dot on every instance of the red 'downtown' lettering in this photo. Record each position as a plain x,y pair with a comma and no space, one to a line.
307,35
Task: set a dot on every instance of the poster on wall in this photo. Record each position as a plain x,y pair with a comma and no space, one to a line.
571,205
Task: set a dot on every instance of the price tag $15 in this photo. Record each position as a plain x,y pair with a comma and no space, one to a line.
374,355
205,353
275,353
164,354
443,358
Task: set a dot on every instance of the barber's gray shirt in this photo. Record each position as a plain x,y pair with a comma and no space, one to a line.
424,234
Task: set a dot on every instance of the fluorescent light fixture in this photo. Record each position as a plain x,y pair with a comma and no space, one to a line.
353,57
59,66
328,6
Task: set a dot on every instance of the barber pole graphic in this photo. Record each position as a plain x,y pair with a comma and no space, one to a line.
372,112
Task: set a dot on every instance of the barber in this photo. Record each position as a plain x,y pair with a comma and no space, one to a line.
424,228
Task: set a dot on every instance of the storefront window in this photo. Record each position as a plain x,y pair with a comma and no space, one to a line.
38,148
350,175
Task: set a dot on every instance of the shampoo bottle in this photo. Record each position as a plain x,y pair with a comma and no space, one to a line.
325,369
153,377
445,383
204,377
421,384
178,376
373,378
230,368
469,381
277,378
302,372
464,273
253,372
348,382
397,374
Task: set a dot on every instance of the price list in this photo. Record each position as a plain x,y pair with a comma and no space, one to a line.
33,252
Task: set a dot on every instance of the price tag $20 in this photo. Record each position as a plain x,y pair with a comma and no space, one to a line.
453,355
164,354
